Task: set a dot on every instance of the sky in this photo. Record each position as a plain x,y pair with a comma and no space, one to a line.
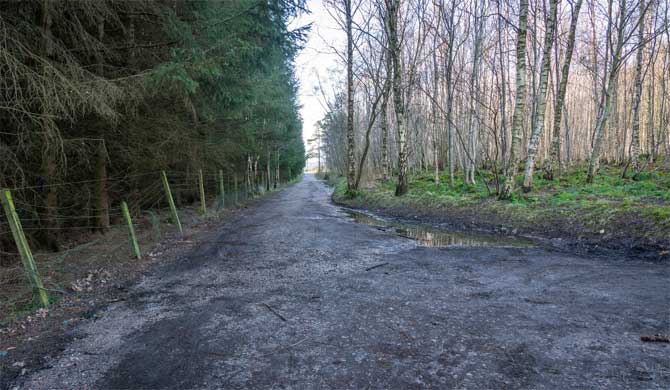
317,61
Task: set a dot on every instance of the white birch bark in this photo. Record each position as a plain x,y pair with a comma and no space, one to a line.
520,100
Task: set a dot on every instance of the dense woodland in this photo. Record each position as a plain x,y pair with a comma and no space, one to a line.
99,96
498,91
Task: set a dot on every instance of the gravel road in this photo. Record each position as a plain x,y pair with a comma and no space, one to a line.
280,297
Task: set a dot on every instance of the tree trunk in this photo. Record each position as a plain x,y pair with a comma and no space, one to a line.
473,112
49,162
555,155
98,53
635,128
663,117
520,100
368,130
250,171
351,145
267,182
594,159
384,116
436,80
277,177
503,90
385,135
235,188
655,141
392,9
318,154
449,71
538,126
255,176
101,195
52,225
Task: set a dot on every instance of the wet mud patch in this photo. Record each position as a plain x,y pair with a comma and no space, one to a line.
432,236
178,352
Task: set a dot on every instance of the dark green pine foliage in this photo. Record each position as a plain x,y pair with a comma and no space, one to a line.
112,92
234,64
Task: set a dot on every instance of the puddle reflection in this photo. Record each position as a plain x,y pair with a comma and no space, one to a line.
436,237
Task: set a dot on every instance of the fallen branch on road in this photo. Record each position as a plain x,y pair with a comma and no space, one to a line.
657,338
376,266
273,311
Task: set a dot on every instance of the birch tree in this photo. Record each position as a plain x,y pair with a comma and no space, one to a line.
474,106
386,92
538,126
351,145
520,100
594,158
392,21
637,97
554,161
448,89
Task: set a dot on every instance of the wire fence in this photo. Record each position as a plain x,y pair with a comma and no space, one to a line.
94,240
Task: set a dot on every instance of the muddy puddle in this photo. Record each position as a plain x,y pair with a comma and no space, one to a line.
432,236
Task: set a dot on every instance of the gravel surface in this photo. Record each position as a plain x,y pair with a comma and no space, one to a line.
279,297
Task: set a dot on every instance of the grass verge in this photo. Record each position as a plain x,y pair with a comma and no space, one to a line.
611,213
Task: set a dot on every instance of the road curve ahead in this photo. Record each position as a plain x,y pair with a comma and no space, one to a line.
285,295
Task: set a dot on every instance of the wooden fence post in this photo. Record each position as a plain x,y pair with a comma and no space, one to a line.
203,204
131,231
277,178
222,192
237,199
23,247
168,195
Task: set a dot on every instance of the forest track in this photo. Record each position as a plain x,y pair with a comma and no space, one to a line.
279,297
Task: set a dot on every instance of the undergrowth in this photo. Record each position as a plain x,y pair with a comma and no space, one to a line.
596,208
92,261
